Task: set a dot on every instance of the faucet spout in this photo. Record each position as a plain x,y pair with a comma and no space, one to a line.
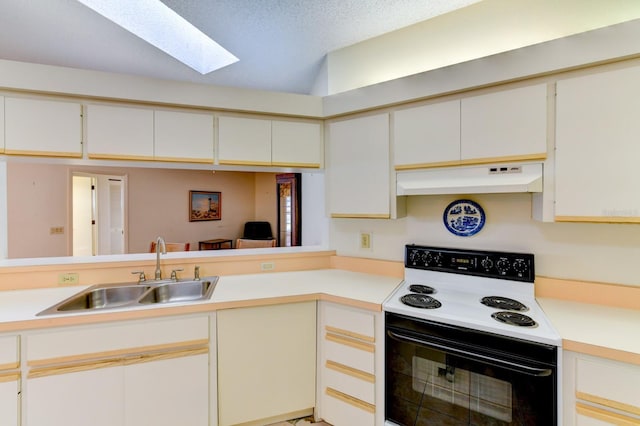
159,244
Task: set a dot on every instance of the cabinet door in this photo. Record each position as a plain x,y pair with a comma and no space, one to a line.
182,136
168,392
119,132
266,362
597,150
358,168
43,127
507,125
244,141
296,144
92,397
9,401
427,136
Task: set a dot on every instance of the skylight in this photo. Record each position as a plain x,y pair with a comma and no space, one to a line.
159,25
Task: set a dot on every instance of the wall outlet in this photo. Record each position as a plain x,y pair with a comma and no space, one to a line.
267,266
55,230
69,278
365,240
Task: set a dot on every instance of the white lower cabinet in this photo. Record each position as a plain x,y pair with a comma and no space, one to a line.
9,381
349,386
147,372
600,391
266,363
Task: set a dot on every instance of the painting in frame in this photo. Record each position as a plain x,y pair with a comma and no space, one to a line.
205,205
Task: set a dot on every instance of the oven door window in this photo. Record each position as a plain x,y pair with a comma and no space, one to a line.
428,386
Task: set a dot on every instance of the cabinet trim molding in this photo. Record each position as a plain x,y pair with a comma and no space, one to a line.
360,215
474,161
606,416
599,219
9,366
350,342
621,406
98,156
336,330
43,153
355,402
118,353
350,371
301,165
244,163
9,377
184,160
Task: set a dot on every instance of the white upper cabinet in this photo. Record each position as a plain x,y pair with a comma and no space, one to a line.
427,135
296,144
508,125
597,149
42,127
244,141
183,136
358,168
262,142
118,132
1,124
505,126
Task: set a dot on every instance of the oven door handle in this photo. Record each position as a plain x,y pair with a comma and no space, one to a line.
513,366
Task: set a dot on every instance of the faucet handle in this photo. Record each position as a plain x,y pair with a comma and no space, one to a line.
174,273
196,273
141,276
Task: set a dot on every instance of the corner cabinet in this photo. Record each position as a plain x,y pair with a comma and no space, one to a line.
350,366
500,126
42,127
597,150
249,141
9,381
599,391
359,169
152,372
266,363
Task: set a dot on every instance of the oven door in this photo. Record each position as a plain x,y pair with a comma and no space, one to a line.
442,375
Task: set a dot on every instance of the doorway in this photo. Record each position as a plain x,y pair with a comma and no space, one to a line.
289,209
98,205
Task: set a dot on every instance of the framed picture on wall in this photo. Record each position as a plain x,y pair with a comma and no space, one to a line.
204,205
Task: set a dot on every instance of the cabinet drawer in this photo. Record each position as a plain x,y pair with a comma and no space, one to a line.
610,384
343,410
8,352
109,339
349,352
345,321
350,381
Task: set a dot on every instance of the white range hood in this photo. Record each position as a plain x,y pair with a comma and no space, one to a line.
486,179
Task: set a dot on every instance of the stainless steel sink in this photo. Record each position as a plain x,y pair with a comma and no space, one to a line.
179,292
130,295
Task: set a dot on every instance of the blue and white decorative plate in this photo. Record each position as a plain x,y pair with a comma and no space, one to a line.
464,218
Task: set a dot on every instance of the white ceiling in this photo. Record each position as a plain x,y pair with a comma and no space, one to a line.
281,43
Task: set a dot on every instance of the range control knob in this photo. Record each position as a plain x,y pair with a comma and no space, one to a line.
503,265
414,256
433,258
520,266
487,263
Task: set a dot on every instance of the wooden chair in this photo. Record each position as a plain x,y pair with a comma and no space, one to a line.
247,243
170,247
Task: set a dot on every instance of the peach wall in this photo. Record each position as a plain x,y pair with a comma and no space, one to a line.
38,199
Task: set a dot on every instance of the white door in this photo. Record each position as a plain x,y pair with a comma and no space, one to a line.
98,214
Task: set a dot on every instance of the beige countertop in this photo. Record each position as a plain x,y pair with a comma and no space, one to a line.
605,331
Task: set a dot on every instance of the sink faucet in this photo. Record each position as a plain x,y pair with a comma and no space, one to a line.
159,242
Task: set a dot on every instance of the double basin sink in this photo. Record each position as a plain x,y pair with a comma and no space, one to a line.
130,295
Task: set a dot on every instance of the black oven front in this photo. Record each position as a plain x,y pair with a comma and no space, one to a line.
438,374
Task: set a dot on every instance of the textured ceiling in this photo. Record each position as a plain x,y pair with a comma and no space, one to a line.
281,43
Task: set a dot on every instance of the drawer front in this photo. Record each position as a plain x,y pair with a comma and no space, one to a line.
342,410
608,383
343,320
109,338
8,352
357,356
349,381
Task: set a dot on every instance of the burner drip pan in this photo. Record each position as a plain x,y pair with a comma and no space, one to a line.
420,301
503,303
422,289
514,318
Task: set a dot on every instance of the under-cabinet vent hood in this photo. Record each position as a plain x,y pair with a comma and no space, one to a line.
487,179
